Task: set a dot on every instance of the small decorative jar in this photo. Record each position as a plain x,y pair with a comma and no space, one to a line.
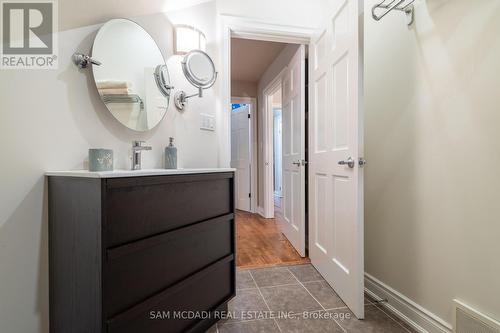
100,159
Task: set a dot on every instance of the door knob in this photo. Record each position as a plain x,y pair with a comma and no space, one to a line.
298,163
349,162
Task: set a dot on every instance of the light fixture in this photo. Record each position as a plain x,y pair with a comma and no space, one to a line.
188,38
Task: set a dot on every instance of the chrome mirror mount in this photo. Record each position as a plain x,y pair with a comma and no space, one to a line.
83,60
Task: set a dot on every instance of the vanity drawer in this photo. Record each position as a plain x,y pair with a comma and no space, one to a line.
140,207
207,289
147,267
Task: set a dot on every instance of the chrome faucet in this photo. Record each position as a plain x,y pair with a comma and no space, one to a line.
137,149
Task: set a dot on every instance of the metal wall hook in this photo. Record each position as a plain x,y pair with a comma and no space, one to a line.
401,5
82,60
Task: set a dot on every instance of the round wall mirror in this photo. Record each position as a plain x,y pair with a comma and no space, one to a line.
199,70
132,78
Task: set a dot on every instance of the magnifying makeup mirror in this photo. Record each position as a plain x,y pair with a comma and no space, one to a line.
199,70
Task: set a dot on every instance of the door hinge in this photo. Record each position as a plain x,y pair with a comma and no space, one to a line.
249,116
249,195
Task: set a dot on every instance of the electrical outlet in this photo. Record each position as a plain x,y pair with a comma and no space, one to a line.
207,122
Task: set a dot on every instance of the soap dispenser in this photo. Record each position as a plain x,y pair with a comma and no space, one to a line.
171,155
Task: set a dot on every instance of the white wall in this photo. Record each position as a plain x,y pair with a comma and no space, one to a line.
269,75
433,149
48,120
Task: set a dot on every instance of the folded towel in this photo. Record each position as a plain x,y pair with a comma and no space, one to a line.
121,91
109,84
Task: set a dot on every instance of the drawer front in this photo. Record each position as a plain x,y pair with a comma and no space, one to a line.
140,207
204,291
147,267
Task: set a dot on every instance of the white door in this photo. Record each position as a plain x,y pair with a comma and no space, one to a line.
240,154
293,148
335,135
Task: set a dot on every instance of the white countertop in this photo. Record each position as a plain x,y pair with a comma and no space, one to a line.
133,173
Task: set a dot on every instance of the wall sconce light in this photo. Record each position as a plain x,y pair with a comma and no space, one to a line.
188,38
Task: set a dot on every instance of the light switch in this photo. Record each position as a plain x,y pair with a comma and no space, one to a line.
207,122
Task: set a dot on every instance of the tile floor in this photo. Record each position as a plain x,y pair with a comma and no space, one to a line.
292,291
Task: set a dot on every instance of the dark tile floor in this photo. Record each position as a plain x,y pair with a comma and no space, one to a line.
297,299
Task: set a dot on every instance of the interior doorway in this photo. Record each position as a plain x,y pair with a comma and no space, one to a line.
288,91
268,232
335,186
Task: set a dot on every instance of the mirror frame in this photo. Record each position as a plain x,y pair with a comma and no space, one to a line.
163,87
188,73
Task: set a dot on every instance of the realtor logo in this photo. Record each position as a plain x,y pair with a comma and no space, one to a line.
28,35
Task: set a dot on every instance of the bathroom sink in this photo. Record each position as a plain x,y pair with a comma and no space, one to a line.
134,173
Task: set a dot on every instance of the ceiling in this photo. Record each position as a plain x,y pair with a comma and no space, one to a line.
251,58
76,13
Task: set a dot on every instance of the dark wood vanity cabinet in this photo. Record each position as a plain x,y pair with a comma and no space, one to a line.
140,254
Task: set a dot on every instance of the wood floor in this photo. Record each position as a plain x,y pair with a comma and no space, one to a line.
259,243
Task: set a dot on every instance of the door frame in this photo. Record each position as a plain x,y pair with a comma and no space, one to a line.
267,124
252,129
275,192
248,28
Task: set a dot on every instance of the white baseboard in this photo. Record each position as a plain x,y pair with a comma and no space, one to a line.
260,211
419,318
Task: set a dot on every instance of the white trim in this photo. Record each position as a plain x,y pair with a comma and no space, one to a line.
260,211
268,145
245,27
419,318
480,317
253,144
251,28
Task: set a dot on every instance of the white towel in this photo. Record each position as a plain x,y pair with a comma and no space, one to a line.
120,91
110,84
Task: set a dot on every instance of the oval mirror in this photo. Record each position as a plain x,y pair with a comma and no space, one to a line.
199,69
132,80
